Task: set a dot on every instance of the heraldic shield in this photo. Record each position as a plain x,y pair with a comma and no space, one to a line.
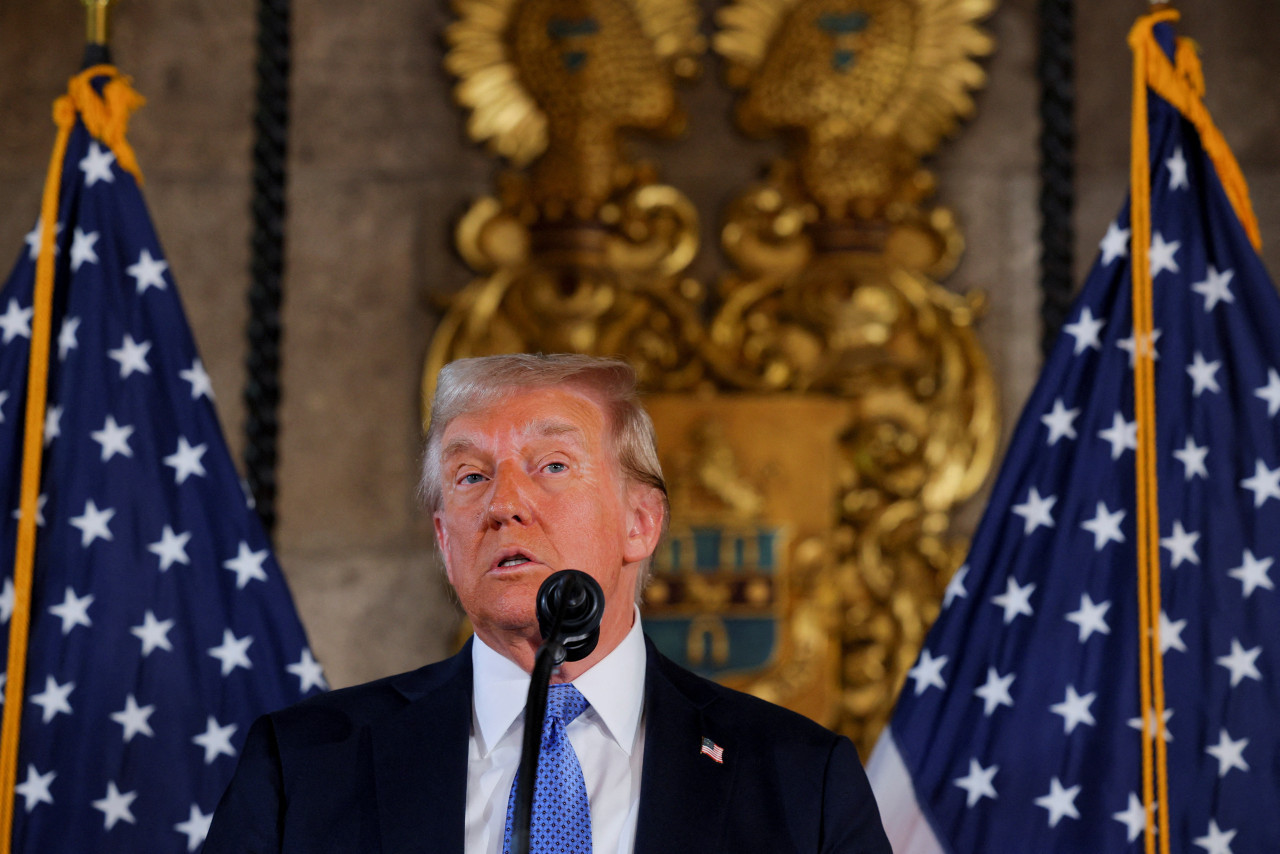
823,407
752,518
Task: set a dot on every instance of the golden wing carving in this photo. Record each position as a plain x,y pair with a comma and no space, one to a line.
521,65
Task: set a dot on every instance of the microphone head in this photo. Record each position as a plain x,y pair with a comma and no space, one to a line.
579,601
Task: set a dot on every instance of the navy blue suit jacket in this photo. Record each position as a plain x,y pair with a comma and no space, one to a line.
381,768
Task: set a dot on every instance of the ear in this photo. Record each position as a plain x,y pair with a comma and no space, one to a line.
646,514
442,542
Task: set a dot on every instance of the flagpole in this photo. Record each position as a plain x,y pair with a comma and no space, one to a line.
97,21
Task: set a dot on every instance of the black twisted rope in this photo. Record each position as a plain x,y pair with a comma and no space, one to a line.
262,388
1056,71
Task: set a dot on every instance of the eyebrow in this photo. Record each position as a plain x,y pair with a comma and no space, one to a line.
543,428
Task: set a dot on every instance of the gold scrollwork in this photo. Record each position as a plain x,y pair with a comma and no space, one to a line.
831,325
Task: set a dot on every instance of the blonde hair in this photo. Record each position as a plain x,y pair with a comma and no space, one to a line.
468,384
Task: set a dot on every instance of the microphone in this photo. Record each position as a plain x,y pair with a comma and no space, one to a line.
570,604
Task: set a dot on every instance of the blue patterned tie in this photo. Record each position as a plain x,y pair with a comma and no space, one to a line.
561,815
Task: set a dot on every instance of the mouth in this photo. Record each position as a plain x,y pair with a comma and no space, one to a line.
513,559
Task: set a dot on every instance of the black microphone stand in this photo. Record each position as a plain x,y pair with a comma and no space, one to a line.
570,604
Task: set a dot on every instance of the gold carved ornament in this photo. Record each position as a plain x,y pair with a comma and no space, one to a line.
823,408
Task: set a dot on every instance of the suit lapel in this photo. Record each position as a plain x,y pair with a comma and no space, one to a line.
420,760
684,795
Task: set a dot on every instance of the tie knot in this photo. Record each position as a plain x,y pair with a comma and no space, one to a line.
565,702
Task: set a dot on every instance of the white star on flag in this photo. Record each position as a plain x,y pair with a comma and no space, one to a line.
1241,662
977,783
216,740
115,806
928,672
1181,545
6,601
1133,817
1215,288
1192,457
1271,392
1216,840
52,424
153,633
186,460
1253,573
1086,330
1229,753
1157,724
132,357
33,240
1074,709
1177,171
1114,245
1264,484
40,502
82,251
1162,255
1130,346
1090,618
1059,802
1036,511
1171,634
134,718
1121,435
96,165
1061,422
53,699
67,337
148,272
1014,600
233,652
93,524
1105,527
16,321
36,788
995,691
247,565
955,587
74,611
171,548
199,379
309,672
1203,375
196,827
114,439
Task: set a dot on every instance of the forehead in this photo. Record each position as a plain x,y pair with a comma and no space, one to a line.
523,415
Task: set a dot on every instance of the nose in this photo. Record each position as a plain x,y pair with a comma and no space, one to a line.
509,498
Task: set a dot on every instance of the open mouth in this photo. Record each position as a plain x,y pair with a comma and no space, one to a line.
514,560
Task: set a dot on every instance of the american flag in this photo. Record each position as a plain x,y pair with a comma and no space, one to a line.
161,624
1019,726
715,751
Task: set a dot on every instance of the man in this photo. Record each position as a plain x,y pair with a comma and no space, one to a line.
535,464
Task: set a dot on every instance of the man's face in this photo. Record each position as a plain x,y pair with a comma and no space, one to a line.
531,485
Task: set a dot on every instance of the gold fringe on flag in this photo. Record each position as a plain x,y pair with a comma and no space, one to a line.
107,118
1182,86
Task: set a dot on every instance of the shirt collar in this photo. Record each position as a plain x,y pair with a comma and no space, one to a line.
614,686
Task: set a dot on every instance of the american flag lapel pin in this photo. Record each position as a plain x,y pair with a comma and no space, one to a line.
715,751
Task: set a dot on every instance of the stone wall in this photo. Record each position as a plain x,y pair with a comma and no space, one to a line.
380,168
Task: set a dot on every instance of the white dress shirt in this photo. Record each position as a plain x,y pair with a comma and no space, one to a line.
608,738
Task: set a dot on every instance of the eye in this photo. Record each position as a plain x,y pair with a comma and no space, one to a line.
555,468
471,478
